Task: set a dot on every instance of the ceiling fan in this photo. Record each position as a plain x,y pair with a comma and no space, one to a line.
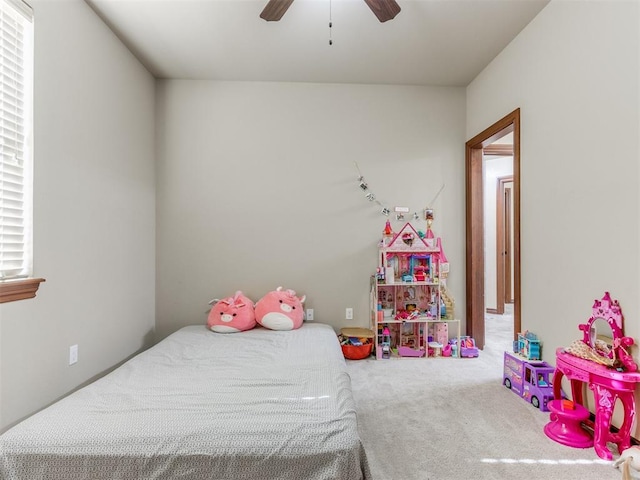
383,9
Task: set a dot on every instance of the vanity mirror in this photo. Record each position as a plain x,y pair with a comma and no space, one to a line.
601,335
604,334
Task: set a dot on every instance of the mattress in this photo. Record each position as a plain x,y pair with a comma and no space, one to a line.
259,404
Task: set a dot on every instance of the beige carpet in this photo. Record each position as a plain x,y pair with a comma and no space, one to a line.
451,419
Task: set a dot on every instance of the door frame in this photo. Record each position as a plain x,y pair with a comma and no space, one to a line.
504,293
475,225
506,189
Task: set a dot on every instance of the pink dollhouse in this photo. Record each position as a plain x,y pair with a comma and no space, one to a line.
406,297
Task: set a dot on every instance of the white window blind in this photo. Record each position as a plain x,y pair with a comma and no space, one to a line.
16,158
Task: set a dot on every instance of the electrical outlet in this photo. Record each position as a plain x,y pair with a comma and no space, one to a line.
309,314
73,354
349,313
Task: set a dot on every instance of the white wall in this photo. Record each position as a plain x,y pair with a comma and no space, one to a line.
574,73
492,169
257,188
94,208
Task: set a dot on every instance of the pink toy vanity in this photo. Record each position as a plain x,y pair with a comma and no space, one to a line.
603,363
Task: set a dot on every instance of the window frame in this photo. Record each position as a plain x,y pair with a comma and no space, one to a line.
24,286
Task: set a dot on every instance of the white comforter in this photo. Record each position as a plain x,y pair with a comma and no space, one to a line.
254,405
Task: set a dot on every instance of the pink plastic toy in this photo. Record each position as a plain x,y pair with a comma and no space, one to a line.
609,385
610,311
468,347
385,351
405,351
232,314
280,310
567,428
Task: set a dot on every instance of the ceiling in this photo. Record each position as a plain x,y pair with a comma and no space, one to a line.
430,42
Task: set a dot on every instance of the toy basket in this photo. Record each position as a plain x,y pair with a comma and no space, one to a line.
357,352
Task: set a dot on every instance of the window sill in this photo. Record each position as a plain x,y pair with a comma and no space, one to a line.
13,290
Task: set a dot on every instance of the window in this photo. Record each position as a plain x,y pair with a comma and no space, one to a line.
16,153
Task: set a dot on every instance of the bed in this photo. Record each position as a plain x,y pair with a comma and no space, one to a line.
259,404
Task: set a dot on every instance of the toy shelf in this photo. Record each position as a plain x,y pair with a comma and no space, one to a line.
421,319
411,338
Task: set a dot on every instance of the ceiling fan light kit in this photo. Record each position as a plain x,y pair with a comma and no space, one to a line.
383,9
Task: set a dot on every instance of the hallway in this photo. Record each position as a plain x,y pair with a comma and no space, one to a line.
499,329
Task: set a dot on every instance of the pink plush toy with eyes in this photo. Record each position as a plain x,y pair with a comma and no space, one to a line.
280,310
232,314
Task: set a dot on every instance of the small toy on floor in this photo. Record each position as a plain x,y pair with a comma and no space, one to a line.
530,380
528,346
468,347
629,459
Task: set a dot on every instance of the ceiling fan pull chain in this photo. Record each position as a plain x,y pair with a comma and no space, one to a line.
330,24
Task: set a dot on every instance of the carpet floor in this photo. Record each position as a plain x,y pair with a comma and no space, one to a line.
452,419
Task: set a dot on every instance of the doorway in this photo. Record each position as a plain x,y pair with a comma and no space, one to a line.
504,242
475,250
498,231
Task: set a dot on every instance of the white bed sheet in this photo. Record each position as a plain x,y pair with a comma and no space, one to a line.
260,404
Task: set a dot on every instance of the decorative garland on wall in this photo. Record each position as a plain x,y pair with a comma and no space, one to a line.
400,211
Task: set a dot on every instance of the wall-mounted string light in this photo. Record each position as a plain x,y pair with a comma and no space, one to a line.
400,211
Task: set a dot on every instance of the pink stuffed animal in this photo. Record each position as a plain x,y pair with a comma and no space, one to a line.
280,310
232,314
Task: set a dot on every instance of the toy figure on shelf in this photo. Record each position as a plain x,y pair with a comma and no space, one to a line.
387,234
428,215
386,343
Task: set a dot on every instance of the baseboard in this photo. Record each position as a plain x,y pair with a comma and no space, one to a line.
614,429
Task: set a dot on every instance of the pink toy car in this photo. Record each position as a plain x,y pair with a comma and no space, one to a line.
467,347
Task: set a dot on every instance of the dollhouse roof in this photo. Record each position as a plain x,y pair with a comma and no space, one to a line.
408,240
